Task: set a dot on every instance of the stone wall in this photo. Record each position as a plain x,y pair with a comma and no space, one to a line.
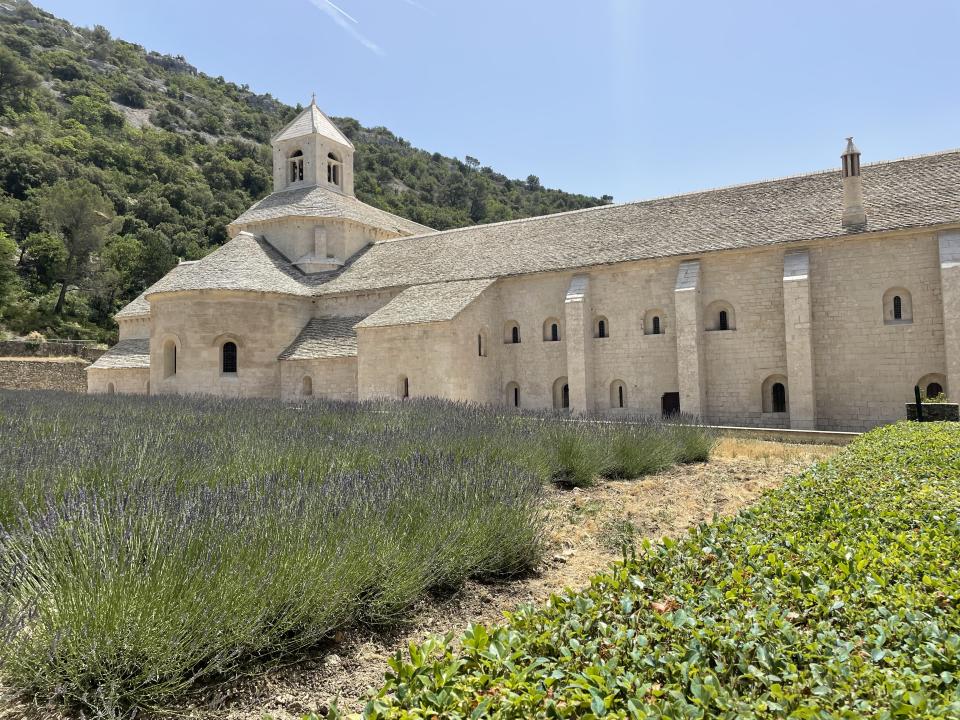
25,348
329,379
120,381
261,325
43,373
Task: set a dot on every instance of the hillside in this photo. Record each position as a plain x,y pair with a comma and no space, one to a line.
115,161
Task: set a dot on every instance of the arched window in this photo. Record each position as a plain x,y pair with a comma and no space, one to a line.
775,394
511,333
779,396
110,389
513,394
296,166
334,170
404,388
306,388
228,358
561,394
897,307
601,328
482,344
653,322
565,397
551,330
930,386
169,358
719,315
618,394
515,335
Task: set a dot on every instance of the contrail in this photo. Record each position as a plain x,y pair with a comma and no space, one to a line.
339,17
343,12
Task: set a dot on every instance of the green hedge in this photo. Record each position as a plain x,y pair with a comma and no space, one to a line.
834,597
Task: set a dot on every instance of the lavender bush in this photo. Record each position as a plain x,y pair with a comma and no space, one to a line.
148,543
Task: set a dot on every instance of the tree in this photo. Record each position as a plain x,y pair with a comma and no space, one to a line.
8,273
16,80
82,216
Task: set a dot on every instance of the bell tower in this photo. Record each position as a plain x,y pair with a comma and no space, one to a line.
312,152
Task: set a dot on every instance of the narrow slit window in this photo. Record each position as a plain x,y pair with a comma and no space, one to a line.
656,325
897,308
229,358
515,335
554,332
516,397
620,396
602,329
724,324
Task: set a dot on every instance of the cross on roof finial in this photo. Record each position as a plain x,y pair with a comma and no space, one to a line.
313,98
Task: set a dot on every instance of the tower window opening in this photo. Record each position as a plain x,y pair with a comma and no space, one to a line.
656,325
334,169
724,323
897,308
296,166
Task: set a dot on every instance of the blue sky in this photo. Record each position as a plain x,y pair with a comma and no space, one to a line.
631,98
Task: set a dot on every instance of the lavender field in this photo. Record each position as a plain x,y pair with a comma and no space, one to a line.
148,544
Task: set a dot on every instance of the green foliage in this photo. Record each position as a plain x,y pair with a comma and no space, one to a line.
179,155
836,596
16,81
9,282
578,452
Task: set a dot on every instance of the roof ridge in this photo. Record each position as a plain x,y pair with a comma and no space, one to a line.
657,198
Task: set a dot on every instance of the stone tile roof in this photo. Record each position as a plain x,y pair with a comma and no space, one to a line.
139,307
322,202
135,308
244,263
906,193
325,337
312,120
427,303
125,354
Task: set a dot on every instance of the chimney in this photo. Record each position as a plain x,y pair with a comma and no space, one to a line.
853,212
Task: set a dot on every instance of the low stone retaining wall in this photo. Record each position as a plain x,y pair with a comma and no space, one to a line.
934,412
819,437
51,348
43,373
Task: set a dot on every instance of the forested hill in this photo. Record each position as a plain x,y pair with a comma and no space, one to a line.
115,161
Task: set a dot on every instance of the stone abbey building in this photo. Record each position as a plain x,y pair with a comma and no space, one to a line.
813,301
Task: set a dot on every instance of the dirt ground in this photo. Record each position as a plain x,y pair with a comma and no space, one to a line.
587,529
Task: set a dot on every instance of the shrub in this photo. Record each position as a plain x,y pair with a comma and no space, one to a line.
837,595
147,543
